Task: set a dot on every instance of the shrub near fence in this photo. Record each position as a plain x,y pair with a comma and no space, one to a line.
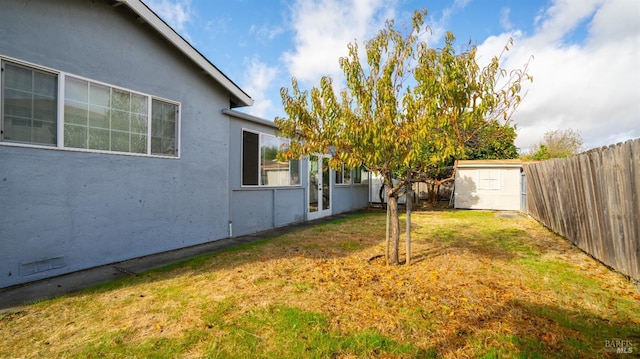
593,200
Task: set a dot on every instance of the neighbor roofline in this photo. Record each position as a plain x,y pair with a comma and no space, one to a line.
241,98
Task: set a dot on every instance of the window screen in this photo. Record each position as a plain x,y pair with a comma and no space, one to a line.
29,103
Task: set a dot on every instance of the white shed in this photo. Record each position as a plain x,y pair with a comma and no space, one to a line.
488,184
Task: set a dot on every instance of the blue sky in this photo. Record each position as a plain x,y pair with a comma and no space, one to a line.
585,65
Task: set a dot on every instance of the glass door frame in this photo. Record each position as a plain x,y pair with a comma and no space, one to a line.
319,184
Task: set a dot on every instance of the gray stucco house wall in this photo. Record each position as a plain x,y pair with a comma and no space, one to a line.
351,197
257,208
64,208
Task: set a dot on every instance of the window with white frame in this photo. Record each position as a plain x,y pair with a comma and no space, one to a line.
355,176
360,176
343,175
488,179
29,102
260,166
95,116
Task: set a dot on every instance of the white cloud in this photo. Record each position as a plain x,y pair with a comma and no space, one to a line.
592,86
176,13
618,19
323,28
266,33
258,81
505,22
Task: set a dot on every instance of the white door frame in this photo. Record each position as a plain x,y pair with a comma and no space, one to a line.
319,193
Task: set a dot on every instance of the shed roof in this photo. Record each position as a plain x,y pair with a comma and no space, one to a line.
490,163
238,96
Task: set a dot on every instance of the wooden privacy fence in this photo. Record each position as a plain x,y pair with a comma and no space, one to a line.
592,199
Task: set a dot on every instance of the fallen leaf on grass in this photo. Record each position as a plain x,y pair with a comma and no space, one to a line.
549,338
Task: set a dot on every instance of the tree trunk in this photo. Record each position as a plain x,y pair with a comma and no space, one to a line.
386,238
433,193
409,201
394,221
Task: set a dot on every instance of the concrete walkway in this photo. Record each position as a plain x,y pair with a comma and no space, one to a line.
14,296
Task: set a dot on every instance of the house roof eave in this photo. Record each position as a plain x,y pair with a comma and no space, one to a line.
250,118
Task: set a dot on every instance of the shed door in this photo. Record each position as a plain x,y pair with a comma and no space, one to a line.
523,192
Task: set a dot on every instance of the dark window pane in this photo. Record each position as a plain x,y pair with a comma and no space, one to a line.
357,175
250,158
339,174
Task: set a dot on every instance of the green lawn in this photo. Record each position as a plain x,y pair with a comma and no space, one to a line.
479,286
